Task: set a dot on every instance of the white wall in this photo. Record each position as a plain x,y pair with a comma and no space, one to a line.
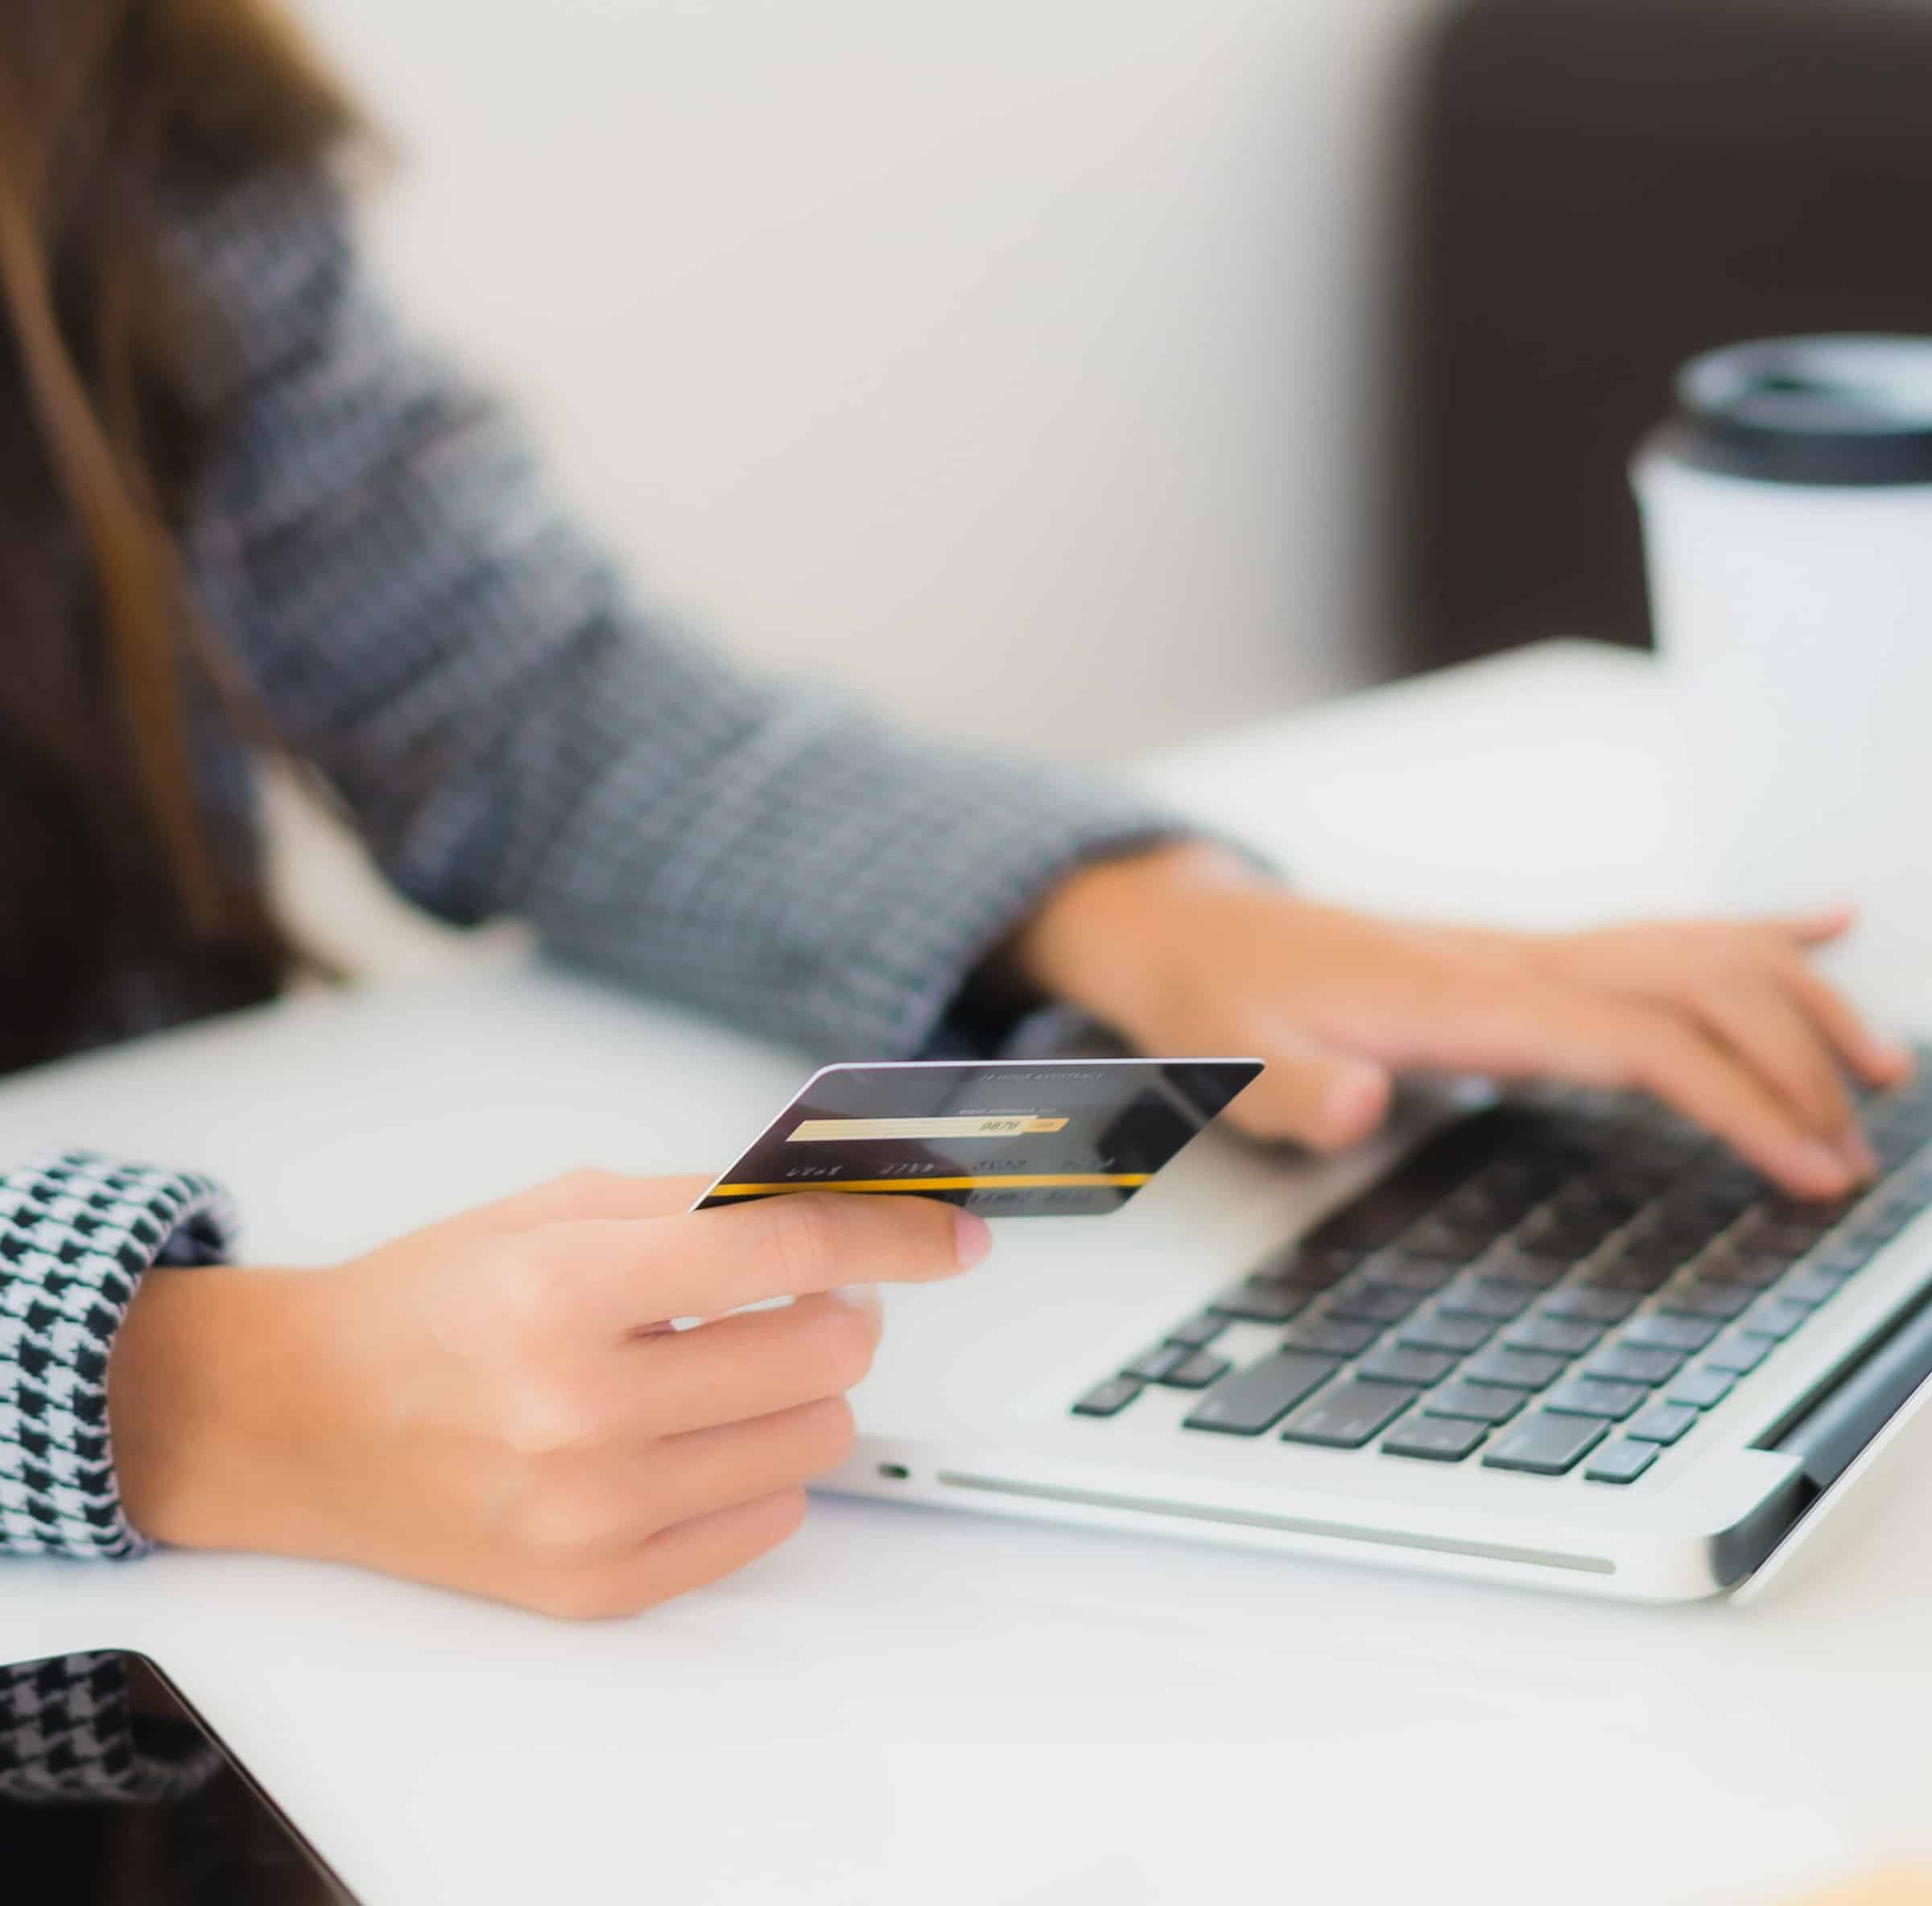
1005,357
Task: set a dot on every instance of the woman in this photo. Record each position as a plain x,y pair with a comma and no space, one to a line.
242,510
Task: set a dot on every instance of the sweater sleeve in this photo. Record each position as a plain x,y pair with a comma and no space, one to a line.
76,1232
512,731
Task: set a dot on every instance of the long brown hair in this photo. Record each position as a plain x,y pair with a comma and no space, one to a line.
108,108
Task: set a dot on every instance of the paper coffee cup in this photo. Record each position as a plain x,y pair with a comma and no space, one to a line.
1787,517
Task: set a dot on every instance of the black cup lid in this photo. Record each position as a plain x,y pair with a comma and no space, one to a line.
1852,411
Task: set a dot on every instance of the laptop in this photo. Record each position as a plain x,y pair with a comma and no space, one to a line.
1565,1341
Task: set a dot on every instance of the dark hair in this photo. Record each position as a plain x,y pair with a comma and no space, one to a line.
108,108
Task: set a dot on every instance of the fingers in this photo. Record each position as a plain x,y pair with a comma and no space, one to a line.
1815,928
669,1564
1326,1101
586,1505
1768,1029
585,1194
627,1275
591,1193
638,1527
1748,985
1673,1057
1874,1059
712,1469
757,1364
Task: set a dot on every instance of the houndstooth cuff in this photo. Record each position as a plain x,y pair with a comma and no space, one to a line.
75,1233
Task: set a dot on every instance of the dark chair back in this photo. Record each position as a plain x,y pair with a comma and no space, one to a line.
1597,190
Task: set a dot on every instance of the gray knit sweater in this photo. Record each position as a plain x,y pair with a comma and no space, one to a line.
511,732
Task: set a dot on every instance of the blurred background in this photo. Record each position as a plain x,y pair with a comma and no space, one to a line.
1081,374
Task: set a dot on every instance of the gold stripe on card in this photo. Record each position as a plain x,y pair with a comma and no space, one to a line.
1016,1181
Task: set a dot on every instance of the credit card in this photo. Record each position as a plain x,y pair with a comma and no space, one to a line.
1008,1138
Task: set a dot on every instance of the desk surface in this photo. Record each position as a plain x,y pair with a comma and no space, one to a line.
902,1705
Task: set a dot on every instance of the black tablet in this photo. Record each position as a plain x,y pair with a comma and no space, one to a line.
112,1787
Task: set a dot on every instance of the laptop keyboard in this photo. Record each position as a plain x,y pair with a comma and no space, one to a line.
1540,1286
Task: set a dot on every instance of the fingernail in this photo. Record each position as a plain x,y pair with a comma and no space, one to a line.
974,1236
1815,1166
861,1296
1356,1097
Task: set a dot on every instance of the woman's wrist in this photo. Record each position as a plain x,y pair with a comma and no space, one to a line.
1112,940
207,1388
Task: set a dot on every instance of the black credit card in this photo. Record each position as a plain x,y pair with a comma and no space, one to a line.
1008,1138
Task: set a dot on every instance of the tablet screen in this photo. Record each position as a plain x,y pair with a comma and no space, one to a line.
113,1788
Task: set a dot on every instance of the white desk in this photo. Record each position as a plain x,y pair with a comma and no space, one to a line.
903,1705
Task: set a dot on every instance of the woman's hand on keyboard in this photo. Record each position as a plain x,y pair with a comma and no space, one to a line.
494,1404
1183,949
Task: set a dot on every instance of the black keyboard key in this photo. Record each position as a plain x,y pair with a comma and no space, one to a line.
1687,1333
1346,1415
1332,1336
1433,1331
1592,1397
1615,1273
1635,1363
1589,1304
1478,1402
1774,1317
1108,1399
1701,1388
1780,1237
1312,1267
1372,1303
1556,1336
1662,1422
1544,1445
1153,1366
1750,1270
1458,1235
1726,1302
1874,1230
1810,1287
1739,1355
1555,1233
1198,1372
1473,1297
1261,1303
1507,1263
1515,1369
1840,1259
1197,1333
1434,1439
1424,1179
1647,1250
1620,1461
1410,1270
1257,1398
1393,1365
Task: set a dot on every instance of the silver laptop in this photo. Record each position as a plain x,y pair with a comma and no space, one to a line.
1568,1342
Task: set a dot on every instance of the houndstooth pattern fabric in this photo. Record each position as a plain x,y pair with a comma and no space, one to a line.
75,1233
68,1733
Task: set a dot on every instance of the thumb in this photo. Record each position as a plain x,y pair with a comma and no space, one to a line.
1325,1100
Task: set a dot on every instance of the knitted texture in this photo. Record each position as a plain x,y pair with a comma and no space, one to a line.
511,729
75,1233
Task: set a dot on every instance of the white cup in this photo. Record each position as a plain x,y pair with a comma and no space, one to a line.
1787,514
